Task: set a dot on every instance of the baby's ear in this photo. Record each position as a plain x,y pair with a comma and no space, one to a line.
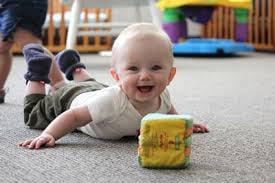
173,71
114,73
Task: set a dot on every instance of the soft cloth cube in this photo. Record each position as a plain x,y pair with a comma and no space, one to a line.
165,141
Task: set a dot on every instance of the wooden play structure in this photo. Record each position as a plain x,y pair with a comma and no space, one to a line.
261,25
55,35
56,26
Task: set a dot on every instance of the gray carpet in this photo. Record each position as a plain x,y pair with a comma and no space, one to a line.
235,97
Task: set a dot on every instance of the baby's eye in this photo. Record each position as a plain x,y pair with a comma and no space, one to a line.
132,68
156,67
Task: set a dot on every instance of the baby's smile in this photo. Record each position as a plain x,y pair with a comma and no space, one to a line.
145,89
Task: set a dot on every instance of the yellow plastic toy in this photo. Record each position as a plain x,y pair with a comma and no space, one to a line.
246,4
175,13
165,141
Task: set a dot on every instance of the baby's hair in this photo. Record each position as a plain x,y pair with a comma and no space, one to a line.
137,31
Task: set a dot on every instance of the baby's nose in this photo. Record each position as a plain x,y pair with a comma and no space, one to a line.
145,75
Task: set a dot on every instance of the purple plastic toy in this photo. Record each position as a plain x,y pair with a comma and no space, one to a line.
241,32
175,30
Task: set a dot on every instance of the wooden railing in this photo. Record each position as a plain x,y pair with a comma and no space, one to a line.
54,31
261,25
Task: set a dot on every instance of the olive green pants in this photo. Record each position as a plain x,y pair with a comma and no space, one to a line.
40,109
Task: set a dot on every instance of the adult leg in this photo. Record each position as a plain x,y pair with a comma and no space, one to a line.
5,66
69,63
23,37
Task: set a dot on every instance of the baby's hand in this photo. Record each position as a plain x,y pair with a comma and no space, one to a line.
44,139
200,128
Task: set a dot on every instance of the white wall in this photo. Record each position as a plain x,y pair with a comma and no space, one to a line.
130,15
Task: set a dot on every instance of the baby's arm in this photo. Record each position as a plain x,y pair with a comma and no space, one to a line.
197,128
60,126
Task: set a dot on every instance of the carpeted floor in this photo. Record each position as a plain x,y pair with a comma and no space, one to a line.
235,97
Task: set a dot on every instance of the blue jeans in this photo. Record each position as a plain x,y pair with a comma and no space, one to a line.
27,14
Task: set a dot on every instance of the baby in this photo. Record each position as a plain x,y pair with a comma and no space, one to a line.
142,65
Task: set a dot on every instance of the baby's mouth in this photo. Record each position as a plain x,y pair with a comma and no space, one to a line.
145,89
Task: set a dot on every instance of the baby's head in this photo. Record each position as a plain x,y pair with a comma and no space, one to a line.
142,60
143,34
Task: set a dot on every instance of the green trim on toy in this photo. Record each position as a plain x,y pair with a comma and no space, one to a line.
241,15
188,141
139,160
187,160
189,122
172,15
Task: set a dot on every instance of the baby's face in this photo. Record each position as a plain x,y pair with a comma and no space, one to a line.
144,69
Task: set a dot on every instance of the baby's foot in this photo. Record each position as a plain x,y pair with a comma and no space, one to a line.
39,63
68,61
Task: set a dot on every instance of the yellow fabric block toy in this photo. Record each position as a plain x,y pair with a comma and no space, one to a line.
165,141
